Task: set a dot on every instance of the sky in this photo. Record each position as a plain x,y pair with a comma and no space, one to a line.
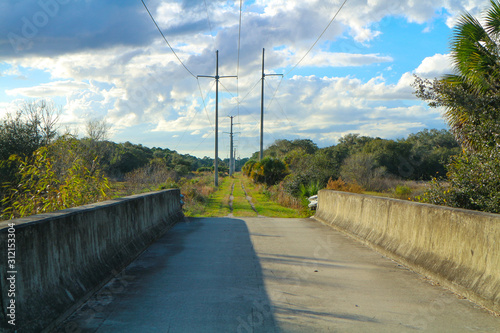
106,60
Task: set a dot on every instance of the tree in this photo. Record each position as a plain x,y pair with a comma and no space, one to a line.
471,96
97,129
42,188
362,169
472,109
44,115
33,125
269,171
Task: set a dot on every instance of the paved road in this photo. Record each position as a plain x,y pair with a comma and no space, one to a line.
271,275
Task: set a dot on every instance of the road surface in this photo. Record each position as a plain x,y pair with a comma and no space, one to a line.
271,275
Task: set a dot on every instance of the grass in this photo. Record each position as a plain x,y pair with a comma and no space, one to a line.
266,207
200,203
241,206
218,202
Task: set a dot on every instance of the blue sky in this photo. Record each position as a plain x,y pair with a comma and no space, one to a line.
106,60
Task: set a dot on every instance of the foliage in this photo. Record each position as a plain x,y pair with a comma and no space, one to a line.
278,194
309,190
41,189
34,125
474,183
402,192
474,118
362,169
340,185
153,176
472,109
197,192
269,171
280,148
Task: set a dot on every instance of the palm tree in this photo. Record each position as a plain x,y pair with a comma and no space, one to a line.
473,93
475,52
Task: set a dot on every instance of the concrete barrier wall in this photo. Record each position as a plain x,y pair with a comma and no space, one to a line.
63,257
458,248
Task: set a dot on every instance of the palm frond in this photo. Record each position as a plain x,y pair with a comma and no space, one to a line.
493,19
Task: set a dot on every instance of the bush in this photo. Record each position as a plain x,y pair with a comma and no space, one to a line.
362,169
402,192
473,183
309,190
269,171
41,188
340,185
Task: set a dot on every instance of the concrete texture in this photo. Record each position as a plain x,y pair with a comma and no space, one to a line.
458,248
271,275
64,256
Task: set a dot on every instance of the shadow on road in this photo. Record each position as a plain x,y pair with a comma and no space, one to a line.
201,276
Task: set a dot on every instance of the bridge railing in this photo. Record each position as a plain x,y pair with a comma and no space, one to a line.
458,248
59,259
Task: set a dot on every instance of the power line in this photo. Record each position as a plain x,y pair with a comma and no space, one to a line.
208,136
166,41
321,35
240,101
239,40
208,18
217,78
238,62
261,153
277,101
193,118
204,104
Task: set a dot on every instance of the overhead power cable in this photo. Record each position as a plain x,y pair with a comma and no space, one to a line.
204,104
208,18
317,40
164,38
188,127
238,64
277,101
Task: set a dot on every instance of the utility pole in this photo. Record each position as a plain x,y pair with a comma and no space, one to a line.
234,158
262,108
232,149
231,162
216,77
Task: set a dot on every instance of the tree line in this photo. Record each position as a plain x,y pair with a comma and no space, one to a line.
372,163
463,163
42,170
471,100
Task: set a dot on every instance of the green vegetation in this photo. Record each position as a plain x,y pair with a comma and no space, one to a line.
472,109
217,203
265,204
357,164
41,171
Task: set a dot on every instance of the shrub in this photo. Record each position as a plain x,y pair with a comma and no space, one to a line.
41,188
402,192
340,185
269,171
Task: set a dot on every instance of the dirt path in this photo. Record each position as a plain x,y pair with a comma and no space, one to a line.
249,199
231,199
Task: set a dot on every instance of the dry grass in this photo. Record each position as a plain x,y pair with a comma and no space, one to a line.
340,185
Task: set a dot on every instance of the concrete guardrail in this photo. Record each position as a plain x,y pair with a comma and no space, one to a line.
458,248
63,257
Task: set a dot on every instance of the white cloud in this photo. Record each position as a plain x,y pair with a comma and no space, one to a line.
334,59
50,89
142,83
435,66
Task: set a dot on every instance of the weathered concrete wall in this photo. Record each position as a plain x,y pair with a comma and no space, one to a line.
458,248
65,256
